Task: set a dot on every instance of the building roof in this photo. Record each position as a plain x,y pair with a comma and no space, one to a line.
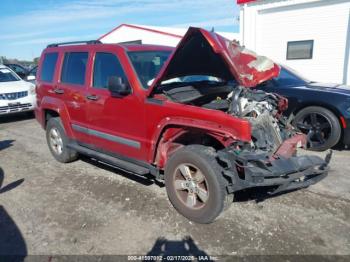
153,29
121,32
239,2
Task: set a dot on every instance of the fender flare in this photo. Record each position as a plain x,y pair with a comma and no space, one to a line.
57,105
214,129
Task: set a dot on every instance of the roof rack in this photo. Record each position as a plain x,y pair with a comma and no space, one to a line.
90,42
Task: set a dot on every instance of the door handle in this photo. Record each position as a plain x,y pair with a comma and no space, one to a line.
93,97
58,91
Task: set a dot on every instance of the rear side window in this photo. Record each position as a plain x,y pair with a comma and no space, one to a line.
105,66
74,68
286,78
48,67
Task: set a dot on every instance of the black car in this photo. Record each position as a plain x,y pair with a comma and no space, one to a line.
21,71
322,111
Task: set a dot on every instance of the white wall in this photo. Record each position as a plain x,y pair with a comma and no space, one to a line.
126,33
266,27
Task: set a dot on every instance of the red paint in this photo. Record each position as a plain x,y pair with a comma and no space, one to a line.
239,2
140,28
167,145
343,122
130,117
289,146
154,126
238,60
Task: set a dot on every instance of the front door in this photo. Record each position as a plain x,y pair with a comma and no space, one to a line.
115,124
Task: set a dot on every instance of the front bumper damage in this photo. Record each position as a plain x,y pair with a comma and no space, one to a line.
250,169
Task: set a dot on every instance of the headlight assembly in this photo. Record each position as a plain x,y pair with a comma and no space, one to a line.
32,90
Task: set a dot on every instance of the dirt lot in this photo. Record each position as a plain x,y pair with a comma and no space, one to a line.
88,208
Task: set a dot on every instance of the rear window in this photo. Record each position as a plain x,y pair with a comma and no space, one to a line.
48,67
287,78
74,68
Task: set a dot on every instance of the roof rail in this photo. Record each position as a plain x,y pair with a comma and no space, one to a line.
90,42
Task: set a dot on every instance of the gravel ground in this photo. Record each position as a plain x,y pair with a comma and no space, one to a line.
85,207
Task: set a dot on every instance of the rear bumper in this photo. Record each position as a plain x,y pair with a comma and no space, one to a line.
247,171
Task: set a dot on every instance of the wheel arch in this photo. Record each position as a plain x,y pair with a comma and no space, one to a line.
52,107
174,136
49,113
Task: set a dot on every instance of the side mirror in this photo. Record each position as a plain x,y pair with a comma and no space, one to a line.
117,87
30,78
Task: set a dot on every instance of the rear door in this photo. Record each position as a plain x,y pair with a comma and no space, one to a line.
47,76
116,124
71,88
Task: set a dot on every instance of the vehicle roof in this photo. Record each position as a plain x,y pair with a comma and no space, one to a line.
3,66
126,47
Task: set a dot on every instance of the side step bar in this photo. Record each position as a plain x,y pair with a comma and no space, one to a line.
125,165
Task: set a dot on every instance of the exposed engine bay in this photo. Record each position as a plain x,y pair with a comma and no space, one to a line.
263,110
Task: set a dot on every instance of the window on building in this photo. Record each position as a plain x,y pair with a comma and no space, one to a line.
48,67
105,66
300,49
74,67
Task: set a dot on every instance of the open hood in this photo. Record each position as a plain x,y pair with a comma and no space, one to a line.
201,52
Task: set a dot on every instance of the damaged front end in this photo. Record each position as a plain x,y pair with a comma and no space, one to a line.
247,168
270,159
211,72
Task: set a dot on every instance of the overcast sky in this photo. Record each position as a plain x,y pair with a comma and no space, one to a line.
27,26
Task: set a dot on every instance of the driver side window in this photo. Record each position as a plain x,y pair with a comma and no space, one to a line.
19,70
105,66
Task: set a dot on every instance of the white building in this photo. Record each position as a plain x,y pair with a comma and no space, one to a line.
311,36
150,35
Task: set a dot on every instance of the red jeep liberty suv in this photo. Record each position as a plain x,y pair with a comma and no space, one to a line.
188,116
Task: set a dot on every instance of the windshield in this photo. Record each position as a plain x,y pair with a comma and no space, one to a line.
192,79
147,64
6,75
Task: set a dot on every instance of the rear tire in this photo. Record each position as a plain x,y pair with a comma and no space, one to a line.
57,141
321,125
195,184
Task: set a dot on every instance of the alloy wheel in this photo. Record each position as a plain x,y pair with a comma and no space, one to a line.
191,186
56,142
317,127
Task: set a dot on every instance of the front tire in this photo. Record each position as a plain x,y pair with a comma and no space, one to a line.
57,141
320,125
195,184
